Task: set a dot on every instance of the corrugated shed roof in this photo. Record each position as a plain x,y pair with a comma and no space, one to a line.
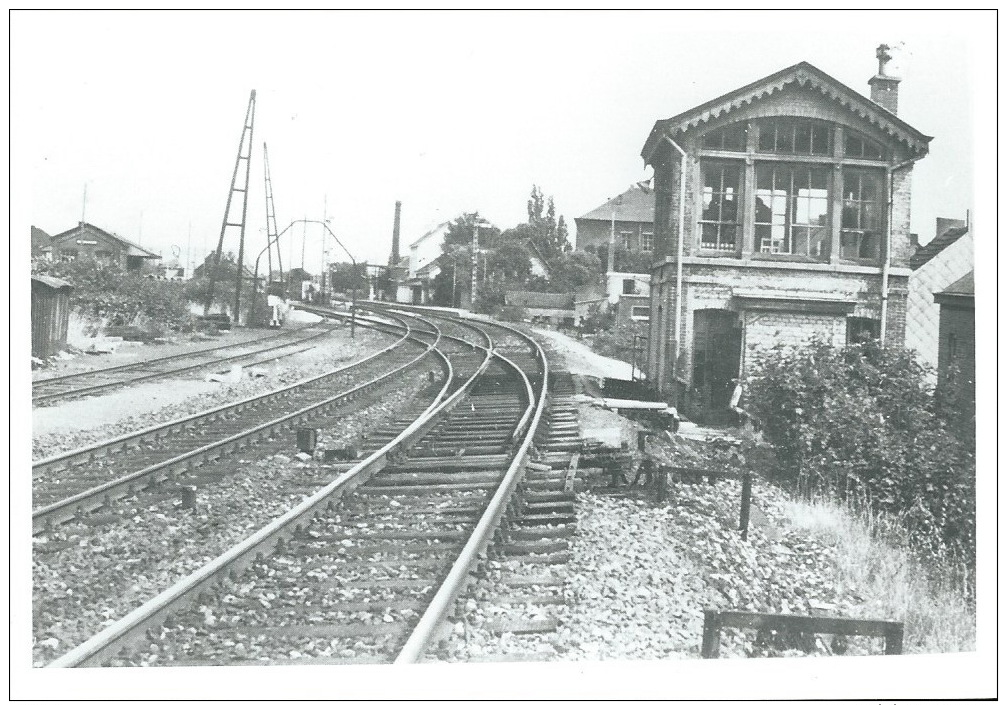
51,282
802,74
538,299
634,205
936,246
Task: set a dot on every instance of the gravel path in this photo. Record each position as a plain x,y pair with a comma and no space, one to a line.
89,574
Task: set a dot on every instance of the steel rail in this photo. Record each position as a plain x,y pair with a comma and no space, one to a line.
122,443
175,356
100,495
118,635
81,391
475,547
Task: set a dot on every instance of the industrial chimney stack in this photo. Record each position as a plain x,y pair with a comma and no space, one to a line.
884,86
394,259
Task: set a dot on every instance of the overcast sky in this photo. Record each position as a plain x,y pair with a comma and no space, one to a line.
447,112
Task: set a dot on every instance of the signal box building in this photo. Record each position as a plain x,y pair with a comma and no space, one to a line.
781,214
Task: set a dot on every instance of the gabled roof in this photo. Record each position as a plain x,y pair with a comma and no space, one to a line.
961,290
634,205
39,237
132,249
936,246
442,229
802,74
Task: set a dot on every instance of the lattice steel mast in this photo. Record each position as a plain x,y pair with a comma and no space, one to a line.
246,157
271,229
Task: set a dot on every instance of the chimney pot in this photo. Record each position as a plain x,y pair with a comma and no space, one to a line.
884,87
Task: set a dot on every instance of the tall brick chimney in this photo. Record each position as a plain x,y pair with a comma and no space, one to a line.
394,258
884,87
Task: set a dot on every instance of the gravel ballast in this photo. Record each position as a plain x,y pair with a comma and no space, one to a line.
88,574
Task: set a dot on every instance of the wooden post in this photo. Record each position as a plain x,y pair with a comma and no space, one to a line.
893,639
306,440
746,504
662,482
711,635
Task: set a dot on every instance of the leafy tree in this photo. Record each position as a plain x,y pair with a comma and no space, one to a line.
460,231
509,262
573,269
625,260
548,234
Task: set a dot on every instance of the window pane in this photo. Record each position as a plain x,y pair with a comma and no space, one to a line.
869,246
729,208
869,216
819,243
802,139
767,137
709,209
764,177
820,180
711,177
762,236
734,138
710,234
818,211
711,140
850,216
727,235
849,245
785,138
820,140
800,241
854,146
872,151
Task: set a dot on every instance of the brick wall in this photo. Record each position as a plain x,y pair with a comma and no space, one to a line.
959,322
766,329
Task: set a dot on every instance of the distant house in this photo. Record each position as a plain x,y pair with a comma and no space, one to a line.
86,240
633,211
40,243
626,294
944,260
956,358
553,309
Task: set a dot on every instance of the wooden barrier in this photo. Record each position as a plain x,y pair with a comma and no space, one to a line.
714,621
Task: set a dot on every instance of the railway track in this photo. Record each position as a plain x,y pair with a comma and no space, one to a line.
49,390
372,563
70,485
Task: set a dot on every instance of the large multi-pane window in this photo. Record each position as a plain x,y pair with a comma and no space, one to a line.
719,221
626,240
795,137
860,237
792,210
810,190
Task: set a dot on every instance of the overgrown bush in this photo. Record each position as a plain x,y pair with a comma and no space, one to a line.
105,292
861,422
617,342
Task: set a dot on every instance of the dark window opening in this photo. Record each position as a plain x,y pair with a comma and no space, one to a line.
629,286
860,237
952,346
860,330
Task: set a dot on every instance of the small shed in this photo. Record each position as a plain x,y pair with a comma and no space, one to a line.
50,314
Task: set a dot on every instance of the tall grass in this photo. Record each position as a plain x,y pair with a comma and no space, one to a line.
935,600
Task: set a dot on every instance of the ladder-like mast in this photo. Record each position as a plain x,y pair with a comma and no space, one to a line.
244,155
272,233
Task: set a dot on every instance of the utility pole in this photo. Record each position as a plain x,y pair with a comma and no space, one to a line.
83,208
325,208
475,262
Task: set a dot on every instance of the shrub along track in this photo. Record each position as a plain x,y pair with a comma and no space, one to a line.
417,513
50,390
